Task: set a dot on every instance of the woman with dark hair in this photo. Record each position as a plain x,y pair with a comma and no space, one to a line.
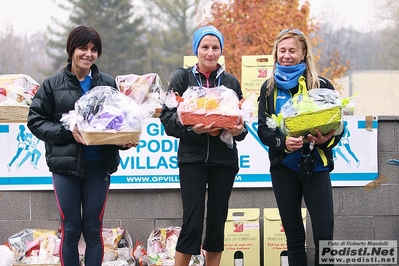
81,173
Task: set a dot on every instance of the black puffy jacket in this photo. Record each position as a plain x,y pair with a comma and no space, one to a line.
200,148
57,96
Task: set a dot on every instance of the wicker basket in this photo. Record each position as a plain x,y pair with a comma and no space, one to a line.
157,112
110,137
324,120
222,121
14,112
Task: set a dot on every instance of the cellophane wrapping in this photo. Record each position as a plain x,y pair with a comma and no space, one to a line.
38,246
106,116
17,89
321,109
35,246
161,248
199,105
16,94
143,89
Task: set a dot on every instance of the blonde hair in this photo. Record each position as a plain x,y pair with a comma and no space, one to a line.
312,77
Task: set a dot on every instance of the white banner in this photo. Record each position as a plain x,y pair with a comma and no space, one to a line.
153,163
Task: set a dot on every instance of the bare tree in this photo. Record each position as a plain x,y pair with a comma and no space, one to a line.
23,55
171,24
390,36
121,29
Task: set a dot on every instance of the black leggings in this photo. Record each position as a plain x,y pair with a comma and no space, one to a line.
81,203
289,189
194,179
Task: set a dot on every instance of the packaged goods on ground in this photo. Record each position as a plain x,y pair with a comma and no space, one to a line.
40,247
6,256
161,247
35,246
118,247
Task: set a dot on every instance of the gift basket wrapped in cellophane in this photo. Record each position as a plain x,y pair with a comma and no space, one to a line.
320,109
41,247
118,247
219,105
16,94
161,248
34,246
106,116
144,89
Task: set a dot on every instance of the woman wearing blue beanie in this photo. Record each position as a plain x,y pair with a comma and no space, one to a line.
205,161
202,32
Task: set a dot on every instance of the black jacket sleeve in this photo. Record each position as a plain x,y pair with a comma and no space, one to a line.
42,118
267,135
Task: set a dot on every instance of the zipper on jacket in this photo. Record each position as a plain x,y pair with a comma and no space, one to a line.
208,84
207,79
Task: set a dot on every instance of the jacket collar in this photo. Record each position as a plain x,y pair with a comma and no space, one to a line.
94,71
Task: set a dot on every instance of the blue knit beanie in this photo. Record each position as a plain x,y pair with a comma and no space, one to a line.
201,32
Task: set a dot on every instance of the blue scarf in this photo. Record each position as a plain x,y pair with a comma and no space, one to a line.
287,76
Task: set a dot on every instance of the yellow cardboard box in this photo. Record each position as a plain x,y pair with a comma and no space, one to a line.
242,236
191,60
274,237
255,70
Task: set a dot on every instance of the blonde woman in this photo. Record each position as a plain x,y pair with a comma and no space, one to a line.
293,177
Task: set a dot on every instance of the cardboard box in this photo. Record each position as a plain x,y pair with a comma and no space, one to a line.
189,61
274,237
242,235
255,70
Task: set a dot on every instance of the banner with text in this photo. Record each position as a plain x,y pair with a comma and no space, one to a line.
153,163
